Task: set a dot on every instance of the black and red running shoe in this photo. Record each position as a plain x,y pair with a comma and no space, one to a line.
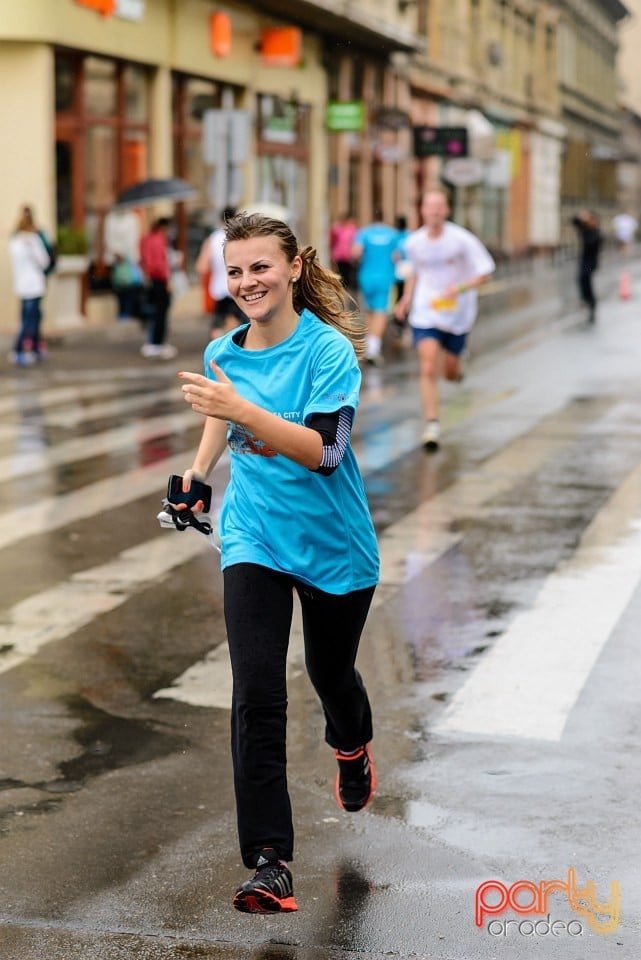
356,779
270,890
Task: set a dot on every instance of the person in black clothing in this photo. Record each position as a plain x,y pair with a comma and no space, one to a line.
587,223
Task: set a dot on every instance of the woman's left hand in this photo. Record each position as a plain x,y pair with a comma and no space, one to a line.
213,398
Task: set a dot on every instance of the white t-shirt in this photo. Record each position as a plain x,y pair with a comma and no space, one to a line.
624,227
29,260
122,236
218,282
453,258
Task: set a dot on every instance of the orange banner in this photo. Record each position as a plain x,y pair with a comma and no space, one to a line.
104,7
220,34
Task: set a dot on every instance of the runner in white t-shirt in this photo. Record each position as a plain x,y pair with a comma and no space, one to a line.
448,265
625,228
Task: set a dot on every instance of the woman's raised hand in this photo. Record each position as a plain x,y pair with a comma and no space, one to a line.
213,398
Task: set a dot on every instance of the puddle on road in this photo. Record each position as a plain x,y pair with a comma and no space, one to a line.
109,743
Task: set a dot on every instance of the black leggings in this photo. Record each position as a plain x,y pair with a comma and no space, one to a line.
160,299
258,615
585,285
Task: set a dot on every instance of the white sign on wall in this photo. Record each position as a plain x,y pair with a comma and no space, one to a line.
130,9
498,170
463,171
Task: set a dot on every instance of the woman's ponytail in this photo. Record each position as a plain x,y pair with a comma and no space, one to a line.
322,291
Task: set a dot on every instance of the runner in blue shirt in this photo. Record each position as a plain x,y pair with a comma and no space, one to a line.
375,249
281,392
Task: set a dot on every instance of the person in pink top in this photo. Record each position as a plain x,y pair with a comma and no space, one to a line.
154,260
341,240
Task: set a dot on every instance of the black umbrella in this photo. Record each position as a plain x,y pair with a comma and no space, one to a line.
146,192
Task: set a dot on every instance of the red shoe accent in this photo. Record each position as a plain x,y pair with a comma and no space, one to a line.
260,901
364,750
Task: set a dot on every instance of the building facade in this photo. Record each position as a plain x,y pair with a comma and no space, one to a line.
490,67
589,89
98,94
231,97
629,71
316,109
367,123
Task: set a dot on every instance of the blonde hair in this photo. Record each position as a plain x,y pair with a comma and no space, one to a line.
318,288
26,221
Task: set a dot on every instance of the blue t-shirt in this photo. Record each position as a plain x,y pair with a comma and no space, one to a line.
275,512
376,266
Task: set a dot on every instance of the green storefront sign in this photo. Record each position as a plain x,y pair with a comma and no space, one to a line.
345,115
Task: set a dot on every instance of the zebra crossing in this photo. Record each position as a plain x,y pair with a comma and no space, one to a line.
515,429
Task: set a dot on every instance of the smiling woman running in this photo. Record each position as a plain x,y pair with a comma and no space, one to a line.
281,391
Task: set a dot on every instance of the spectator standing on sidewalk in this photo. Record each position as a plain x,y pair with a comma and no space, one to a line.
587,225
281,392
29,263
341,241
154,260
448,265
374,249
226,314
121,239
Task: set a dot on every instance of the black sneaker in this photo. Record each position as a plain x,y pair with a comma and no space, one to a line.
270,890
356,779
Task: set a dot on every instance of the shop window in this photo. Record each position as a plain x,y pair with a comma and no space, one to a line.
136,90
100,87
278,120
378,85
134,158
283,158
102,135
65,83
102,167
201,95
333,80
358,79
64,173
283,181
191,97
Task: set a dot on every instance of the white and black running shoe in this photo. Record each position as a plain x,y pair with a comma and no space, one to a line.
270,890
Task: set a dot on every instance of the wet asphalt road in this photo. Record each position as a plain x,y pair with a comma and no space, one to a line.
510,580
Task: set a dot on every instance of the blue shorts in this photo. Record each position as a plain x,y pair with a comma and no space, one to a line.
375,296
453,343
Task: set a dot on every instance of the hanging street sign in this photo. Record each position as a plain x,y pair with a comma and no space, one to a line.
345,115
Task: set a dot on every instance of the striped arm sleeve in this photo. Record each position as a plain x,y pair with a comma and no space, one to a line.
335,430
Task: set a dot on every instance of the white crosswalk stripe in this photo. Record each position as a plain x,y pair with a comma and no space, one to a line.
83,448
24,399
56,613
71,417
527,684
